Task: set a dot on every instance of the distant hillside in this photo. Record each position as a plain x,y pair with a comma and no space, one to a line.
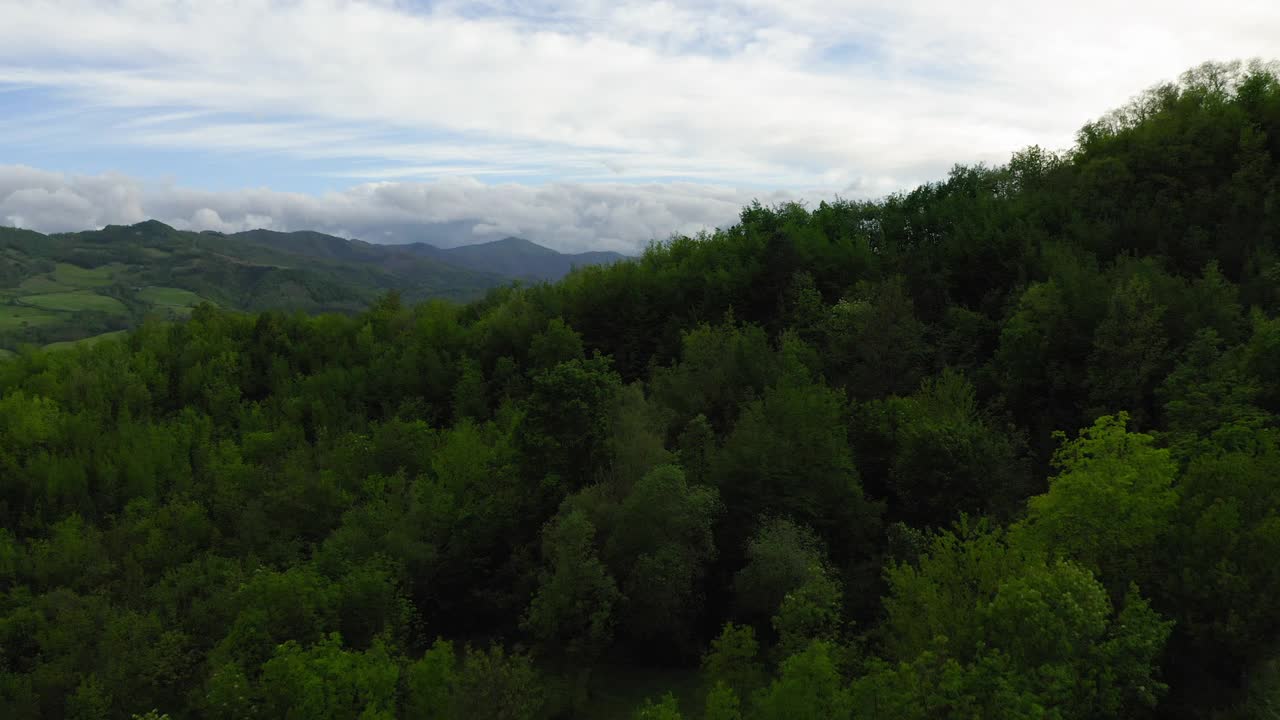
69,286
522,259
76,285
510,257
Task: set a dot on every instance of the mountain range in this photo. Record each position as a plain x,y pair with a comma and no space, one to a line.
510,257
69,286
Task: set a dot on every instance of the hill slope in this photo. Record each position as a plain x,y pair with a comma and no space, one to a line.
803,467
511,257
520,258
75,285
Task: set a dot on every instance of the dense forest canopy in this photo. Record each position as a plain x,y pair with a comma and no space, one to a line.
1001,446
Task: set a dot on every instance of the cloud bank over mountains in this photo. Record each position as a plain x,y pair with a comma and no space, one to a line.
570,217
574,121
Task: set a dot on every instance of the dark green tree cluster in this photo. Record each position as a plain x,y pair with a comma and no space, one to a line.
1003,446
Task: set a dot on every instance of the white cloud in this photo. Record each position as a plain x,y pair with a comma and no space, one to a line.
866,93
570,217
598,105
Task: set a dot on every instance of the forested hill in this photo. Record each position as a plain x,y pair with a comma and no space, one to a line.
1004,446
510,257
72,286
519,258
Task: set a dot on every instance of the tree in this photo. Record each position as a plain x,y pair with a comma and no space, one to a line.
557,344
497,685
1207,393
1042,356
809,687
996,626
878,345
666,708
470,392
810,612
1217,577
733,662
947,456
90,701
722,704
636,438
696,448
564,431
789,454
1111,504
1129,352
326,681
431,682
574,607
782,557
661,544
720,367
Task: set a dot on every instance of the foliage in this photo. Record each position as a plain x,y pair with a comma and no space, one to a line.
820,449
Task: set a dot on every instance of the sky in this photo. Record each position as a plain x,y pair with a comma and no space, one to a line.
577,124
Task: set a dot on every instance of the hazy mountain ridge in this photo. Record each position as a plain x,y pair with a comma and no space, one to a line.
521,258
512,257
69,286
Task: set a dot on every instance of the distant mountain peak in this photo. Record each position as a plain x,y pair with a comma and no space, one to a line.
152,226
521,258
514,243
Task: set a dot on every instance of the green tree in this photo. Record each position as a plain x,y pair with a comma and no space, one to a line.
565,428
789,454
1218,579
878,346
781,557
1129,352
661,544
665,708
497,685
1000,626
1110,505
722,704
947,455
326,681
470,393
90,701
430,683
1208,393
733,662
809,687
574,607
810,612
557,344
636,440
720,367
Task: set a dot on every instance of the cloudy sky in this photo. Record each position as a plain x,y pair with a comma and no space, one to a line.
578,124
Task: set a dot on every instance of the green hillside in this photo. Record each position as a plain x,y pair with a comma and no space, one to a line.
1006,445
65,287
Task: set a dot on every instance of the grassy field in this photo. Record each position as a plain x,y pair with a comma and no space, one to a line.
76,276
72,302
68,344
42,284
174,297
15,317
5,354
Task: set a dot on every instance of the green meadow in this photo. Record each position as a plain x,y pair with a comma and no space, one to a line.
74,302
68,344
16,317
